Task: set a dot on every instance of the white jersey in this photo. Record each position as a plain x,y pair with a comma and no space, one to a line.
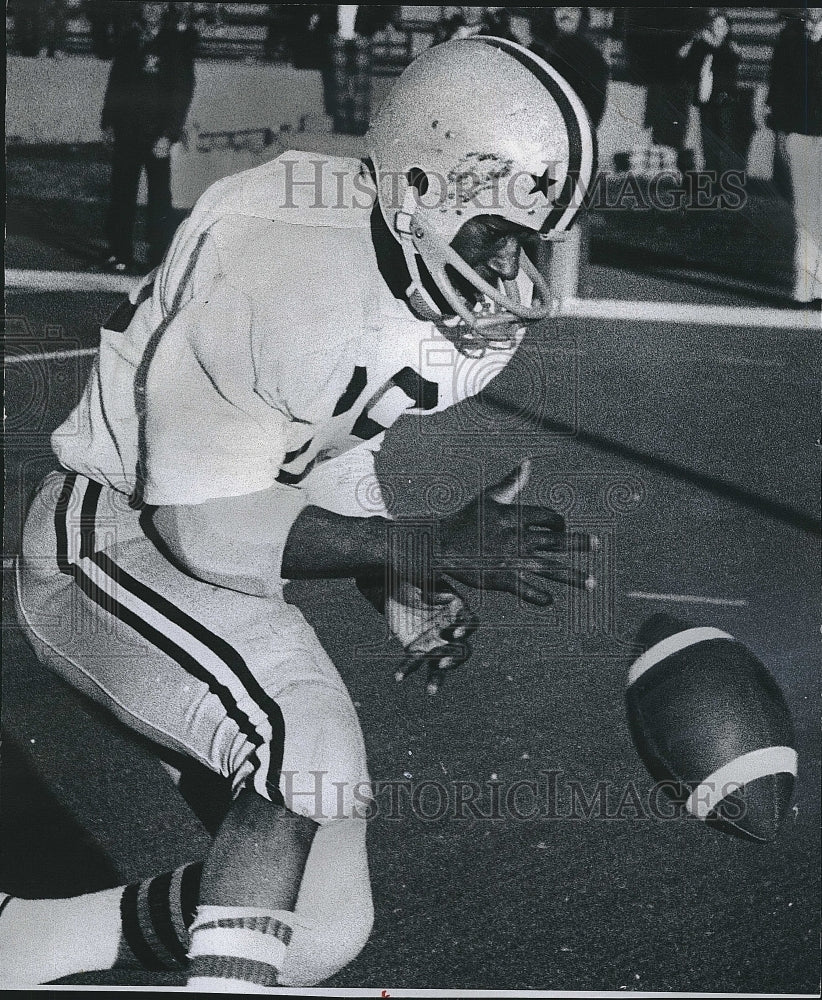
268,351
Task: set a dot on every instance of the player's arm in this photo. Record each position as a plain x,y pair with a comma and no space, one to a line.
250,542
242,543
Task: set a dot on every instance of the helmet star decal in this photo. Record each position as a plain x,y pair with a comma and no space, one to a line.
543,182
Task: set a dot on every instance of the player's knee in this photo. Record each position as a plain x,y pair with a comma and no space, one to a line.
338,793
325,774
319,950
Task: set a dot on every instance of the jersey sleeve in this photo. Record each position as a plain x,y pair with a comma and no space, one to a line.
206,432
348,484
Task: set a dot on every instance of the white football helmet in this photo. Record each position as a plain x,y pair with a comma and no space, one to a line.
479,127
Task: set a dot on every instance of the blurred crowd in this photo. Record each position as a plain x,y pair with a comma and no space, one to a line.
683,57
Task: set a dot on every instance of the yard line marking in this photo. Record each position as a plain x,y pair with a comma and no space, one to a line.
687,312
731,602
573,308
69,281
80,352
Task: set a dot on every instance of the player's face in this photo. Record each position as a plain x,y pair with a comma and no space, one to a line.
491,246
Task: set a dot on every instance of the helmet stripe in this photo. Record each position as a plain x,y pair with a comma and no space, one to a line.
581,140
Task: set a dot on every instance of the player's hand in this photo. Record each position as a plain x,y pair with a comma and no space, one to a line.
161,148
435,629
526,548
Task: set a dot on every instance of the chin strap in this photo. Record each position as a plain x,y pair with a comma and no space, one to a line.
494,323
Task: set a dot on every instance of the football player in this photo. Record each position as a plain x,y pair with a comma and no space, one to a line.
224,444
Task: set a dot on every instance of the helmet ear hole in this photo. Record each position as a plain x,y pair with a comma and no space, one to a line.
418,179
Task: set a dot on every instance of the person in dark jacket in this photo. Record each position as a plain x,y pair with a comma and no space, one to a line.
466,22
149,91
560,39
795,102
711,63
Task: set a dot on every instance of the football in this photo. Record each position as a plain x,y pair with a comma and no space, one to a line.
712,726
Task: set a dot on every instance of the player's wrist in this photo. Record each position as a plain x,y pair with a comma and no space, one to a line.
411,548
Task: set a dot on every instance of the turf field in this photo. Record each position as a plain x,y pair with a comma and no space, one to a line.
693,451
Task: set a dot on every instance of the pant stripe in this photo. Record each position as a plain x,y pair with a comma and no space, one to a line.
207,657
216,646
88,516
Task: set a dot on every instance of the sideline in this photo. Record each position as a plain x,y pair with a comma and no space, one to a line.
626,310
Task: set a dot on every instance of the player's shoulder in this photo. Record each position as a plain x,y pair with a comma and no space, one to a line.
297,188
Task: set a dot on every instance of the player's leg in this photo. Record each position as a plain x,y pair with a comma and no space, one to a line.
186,686
147,925
323,783
139,926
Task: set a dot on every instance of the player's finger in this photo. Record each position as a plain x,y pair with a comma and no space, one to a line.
434,682
410,666
533,588
460,630
534,594
436,676
559,572
572,542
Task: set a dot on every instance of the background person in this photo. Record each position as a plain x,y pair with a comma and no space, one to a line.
795,100
150,87
560,38
712,67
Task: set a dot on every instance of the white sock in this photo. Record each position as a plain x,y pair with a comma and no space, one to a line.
45,939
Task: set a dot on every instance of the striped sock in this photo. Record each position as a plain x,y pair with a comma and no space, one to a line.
155,919
233,949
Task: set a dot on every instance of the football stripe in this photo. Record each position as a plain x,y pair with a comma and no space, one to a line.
673,644
731,777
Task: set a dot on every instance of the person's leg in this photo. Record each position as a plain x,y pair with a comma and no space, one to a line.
709,126
782,167
158,178
126,164
805,156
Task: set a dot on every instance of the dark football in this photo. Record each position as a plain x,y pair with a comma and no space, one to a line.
712,726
